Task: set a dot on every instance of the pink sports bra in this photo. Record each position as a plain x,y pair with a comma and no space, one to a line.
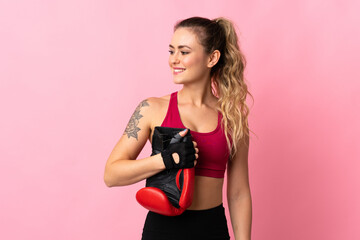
213,151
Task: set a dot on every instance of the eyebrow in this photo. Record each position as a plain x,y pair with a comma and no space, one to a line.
180,46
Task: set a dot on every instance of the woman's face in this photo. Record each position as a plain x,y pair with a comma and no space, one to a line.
187,53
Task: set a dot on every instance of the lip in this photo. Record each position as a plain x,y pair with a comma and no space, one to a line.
176,73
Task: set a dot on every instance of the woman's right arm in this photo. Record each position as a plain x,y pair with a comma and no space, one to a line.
122,168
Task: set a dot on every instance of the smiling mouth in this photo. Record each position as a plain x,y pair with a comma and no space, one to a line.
176,71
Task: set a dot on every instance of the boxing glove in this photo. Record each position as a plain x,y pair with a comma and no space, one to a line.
170,191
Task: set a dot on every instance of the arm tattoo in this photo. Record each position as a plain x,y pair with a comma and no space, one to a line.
131,128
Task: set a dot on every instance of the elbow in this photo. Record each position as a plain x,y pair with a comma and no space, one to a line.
108,181
238,195
111,181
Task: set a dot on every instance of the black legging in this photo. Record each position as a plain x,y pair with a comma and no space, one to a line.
208,224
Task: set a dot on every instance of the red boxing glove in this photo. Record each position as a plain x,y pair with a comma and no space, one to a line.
168,192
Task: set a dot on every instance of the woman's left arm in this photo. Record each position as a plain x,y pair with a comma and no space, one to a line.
238,192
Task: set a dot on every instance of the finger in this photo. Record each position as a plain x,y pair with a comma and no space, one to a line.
183,133
195,144
196,155
176,157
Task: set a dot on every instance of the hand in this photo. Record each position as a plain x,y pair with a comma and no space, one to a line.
180,154
176,156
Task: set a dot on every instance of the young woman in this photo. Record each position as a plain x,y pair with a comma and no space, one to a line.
204,57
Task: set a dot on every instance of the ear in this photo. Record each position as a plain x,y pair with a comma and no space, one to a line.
213,58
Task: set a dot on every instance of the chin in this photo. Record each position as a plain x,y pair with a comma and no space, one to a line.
179,80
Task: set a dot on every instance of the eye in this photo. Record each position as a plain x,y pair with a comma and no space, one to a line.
184,53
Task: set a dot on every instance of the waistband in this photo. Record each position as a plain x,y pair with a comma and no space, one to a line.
205,210
218,209
202,212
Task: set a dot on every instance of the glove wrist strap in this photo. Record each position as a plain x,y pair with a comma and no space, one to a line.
168,160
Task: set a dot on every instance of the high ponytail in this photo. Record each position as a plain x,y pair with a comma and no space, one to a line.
227,75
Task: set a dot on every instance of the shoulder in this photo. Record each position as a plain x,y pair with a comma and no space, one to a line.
153,108
155,104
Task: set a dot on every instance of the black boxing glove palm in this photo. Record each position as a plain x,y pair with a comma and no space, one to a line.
186,152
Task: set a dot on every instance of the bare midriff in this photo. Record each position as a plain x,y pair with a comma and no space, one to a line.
207,193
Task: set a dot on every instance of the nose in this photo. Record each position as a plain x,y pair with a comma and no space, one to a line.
174,58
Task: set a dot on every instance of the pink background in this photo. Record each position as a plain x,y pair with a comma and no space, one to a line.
72,73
